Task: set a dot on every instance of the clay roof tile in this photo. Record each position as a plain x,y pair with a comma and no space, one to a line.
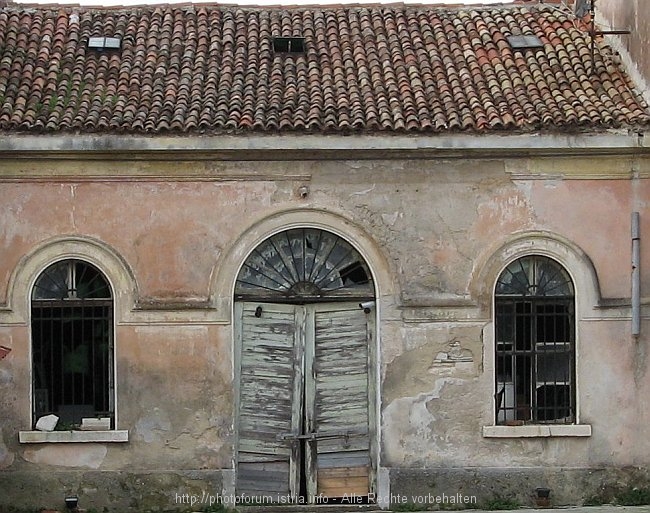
396,68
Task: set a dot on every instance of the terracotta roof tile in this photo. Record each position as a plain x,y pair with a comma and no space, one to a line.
209,69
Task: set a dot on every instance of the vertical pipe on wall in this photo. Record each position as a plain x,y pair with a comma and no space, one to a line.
636,279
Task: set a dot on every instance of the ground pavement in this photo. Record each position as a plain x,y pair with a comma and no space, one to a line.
572,509
366,509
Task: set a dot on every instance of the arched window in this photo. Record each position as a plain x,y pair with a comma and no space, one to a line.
72,343
535,343
305,265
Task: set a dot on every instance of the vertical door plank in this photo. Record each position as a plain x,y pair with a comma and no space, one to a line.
297,411
311,456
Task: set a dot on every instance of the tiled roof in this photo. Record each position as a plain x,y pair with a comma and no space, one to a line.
212,69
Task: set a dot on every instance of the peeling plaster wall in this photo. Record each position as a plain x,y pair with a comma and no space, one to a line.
434,221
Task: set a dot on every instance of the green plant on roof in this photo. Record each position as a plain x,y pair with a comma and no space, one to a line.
53,101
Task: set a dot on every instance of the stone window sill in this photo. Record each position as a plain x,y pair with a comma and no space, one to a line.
537,431
39,437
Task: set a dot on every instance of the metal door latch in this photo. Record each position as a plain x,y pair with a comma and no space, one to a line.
322,435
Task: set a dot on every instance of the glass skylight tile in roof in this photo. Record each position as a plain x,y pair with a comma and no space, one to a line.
524,42
107,43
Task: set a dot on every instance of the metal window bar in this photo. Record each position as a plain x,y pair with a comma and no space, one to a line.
110,378
535,360
72,351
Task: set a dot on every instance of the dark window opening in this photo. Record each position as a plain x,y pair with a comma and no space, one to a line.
72,344
354,274
535,344
289,44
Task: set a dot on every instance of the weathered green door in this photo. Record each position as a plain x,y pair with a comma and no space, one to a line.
306,400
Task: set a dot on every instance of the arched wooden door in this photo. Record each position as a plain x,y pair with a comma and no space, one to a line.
306,347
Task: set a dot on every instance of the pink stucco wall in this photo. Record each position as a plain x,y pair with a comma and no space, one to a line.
433,222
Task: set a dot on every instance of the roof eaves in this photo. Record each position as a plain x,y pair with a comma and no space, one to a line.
284,147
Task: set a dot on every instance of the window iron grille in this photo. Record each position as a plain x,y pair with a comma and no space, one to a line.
72,343
535,343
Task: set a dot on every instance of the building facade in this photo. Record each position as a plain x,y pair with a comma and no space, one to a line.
628,16
403,298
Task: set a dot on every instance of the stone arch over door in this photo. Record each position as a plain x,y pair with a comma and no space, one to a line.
305,362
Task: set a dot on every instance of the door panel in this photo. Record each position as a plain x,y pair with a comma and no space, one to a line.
304,392
341,401
270,404
343,481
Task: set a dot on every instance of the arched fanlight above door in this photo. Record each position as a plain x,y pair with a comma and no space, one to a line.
304,264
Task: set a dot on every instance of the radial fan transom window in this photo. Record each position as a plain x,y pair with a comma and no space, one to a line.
306,264
71,279
534,276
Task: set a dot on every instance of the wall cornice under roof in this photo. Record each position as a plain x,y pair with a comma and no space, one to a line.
320,147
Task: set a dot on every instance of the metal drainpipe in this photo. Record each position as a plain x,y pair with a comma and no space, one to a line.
636,281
